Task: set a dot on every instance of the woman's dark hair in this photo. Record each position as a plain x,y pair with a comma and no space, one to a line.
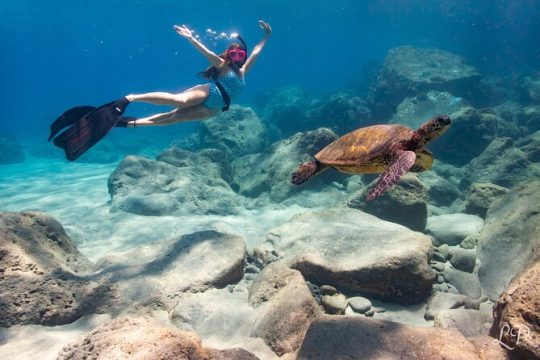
212,72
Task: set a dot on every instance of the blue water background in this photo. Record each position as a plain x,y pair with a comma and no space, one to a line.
58,53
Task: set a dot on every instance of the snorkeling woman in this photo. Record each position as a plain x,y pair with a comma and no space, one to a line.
200,102
88,124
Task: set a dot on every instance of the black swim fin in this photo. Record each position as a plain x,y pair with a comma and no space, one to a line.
89,129
69,118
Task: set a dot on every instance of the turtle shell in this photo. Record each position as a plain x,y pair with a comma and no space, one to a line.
366,150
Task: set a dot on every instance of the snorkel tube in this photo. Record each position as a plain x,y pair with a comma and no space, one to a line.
237,36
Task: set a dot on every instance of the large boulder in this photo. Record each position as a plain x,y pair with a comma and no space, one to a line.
452,229
358,337
502,163
414,111
405,203
270,171
148,187
469,322
42,274
481,196
354,252
517,312
145,338
286,308
238,131
11,151
287,111
408,71
529,118
340,112
157,273
510,238
470,134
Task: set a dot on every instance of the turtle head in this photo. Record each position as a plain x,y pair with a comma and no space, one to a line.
433,128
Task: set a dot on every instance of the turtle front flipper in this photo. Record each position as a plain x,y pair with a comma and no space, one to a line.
403,161
306,171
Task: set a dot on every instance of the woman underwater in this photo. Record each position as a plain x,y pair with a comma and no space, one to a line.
88,124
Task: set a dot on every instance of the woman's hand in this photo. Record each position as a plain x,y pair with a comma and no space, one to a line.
264,25
183,31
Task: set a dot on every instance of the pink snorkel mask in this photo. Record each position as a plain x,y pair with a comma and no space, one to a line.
237,55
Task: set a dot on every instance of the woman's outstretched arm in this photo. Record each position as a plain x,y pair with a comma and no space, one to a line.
257,49
214,59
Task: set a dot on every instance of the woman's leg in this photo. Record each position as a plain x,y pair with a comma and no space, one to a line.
194,113
191,97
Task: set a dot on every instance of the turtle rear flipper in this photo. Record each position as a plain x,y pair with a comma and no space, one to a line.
403,161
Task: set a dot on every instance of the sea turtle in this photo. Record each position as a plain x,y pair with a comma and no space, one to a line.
388,149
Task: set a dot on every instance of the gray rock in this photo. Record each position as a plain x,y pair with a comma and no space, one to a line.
367,256
145,338
438,266
437,256
335,304
43,275
238,131
408,71
481,196
501,163
405,203
456,147
195,262
286,308
469,322
444,250
463,259
270,171
441,301
11,151
359,337
466,283
148,187
469,242
359,304
328,290
510,239
451,229
530,146
441,192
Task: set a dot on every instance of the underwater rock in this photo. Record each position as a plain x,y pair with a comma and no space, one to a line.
531,87
340,112
487,349
271,170
481,196
359,337
355,252
530,146
529,118
286,308
451,229
440,301
404,204
148,187
469,322
470,134
466,283
334,304
510,239
238,131
414,111
287,111
42,274
502,163
145,338
359,304
408,71
156,273
518,309
11,151
463,259
441,192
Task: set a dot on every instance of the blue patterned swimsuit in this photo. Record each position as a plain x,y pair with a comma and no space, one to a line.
233,85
